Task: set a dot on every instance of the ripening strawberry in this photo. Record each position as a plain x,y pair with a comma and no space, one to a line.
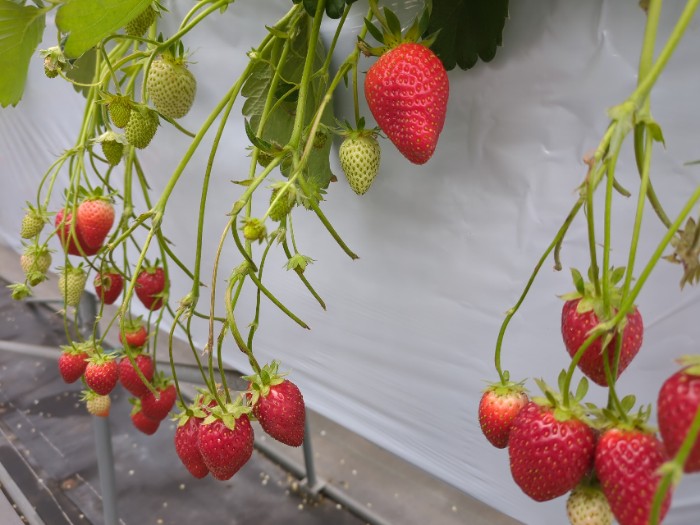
129,378
186,446
135,334
678,402
587,505
360,155
35,262
138,25
171,86
407,90
71,284
96,404
32,222
142,127
150,287
72,362
141,421
626,462
576,323
549,455
108,285
225,442
102,373
498,407
95,216
71,241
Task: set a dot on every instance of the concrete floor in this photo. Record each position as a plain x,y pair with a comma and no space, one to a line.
47,446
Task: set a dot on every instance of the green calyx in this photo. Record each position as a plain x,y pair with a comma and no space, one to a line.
590,298
690,364
261,382
574,409
228,413
686,252
99,356
390,35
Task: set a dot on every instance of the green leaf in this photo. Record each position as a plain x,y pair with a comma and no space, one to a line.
83,71
86,22
21,30
335,8
469,30
280,122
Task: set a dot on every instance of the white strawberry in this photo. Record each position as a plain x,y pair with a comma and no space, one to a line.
360,155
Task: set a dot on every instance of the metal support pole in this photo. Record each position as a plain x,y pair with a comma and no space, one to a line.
312,483
105,468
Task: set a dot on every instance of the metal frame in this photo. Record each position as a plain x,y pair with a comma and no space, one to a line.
310,482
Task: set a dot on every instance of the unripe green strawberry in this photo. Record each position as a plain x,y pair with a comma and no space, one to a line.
254,230
71,284
142,127
54,61
588,506
359,157
32,222
280,209
140,24
171,86
35,262
119,110
112,146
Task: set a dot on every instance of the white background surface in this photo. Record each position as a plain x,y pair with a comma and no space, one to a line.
445,249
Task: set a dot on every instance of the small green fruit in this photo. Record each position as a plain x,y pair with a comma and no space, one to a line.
140,24
142,127
35,262
71,284
119,110
254,230
360,155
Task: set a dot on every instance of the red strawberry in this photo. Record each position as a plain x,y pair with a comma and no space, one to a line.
141,421
72,242
225,441
678,403
130,379
281,413
95,216
158,407
187,448
108,286
499,405
549,455
150,287
72,363
134,332
576,324
407,90
582,312
278,405
626,462
102,373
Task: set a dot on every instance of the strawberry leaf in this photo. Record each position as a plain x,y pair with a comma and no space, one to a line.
21,30
86,22
627,403
469,30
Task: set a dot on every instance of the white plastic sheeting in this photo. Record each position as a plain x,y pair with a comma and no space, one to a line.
403,350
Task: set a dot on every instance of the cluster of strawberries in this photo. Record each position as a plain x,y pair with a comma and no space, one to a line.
154,394
214,435
608,460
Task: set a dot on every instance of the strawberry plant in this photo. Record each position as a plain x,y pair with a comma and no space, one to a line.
110,224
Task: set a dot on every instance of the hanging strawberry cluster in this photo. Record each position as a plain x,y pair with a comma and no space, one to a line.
609,460
140,82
